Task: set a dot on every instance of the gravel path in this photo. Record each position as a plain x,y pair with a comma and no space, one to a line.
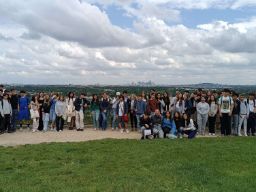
27,137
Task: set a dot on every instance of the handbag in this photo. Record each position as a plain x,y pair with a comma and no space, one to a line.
125,118
34,114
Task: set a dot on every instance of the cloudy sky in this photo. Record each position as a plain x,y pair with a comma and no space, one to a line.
118,42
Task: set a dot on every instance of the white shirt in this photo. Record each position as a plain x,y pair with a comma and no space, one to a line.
6,109
251,106
213,109
225,104
121,109
132,104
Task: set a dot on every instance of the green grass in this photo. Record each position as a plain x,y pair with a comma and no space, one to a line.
221,164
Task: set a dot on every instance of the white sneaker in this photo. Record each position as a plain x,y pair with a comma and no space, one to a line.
239,135
127,131
33,131
122,131
246,135
213,134
209,134
151,137
113,129
95,129
60,130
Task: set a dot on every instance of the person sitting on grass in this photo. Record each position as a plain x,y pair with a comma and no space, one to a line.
188,126
157,121
146,127
178,120
168,126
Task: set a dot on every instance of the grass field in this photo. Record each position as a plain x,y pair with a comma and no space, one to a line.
221,164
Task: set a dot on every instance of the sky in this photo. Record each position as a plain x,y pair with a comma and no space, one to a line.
118,42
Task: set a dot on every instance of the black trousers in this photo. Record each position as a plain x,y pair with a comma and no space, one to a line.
7,123
41,123
212,122
166,131
133,120
1,124
251,124
59,123
225,121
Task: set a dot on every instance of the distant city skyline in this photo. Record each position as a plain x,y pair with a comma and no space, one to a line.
119,42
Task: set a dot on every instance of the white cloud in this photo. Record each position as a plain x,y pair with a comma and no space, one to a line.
77,43
67,21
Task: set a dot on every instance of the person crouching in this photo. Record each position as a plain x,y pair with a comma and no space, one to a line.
146,127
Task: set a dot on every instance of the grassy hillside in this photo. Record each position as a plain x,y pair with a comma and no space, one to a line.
221,164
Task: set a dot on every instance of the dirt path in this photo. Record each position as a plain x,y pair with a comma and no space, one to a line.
27,137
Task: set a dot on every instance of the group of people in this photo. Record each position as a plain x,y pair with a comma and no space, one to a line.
154,115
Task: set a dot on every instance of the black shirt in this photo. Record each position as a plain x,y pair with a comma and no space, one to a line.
46,107
14,101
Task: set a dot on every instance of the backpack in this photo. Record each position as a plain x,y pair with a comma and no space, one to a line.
253,102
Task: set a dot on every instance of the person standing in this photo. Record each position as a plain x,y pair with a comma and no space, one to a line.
52,111
60,110
95,110
114,103
70,110
235,115
132,112
212,115
122,114
14,103
23,109
243,115
225,104
152,104
104,106
252,115
34,113
167,102
202,109
41,102
46,112
140,108
6,113
80,104
180,104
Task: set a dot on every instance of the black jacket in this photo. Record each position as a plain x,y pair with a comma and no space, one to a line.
78,103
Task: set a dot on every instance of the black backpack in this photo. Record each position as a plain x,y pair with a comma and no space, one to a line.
196,125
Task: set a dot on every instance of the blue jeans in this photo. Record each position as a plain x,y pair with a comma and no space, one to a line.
104,120
95,118
234,124
138,116
46,118
114,121
14,119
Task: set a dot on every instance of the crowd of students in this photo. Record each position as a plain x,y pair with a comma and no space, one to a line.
154,115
